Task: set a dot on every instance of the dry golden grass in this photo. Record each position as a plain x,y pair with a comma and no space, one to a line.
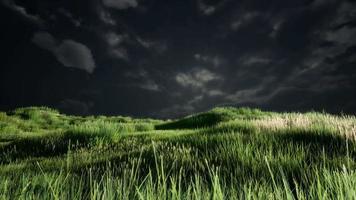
343,125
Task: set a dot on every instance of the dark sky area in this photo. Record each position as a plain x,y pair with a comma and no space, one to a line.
168,58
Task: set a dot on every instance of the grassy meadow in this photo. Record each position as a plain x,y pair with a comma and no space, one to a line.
224,153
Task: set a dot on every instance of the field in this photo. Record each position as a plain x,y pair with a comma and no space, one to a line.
224,153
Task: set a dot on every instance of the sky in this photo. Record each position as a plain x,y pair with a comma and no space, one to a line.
170,58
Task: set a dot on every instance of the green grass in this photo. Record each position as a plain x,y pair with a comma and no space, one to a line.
224,153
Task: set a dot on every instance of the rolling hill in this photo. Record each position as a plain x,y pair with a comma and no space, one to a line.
224,153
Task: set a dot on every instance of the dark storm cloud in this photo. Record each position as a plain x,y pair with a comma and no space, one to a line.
70,53
33,18
170,58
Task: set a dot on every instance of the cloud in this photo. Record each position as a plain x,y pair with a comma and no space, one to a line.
70,53
181,109
115,44
23,12
143,80
216,61
244,20
197,78
120,53
343,36
73,54
338,37
114,39
105,16
346,13
304,48
215,92
246,95
276,26
120,4
150,85
207,10
71,18
256,95
259,93
45,40
201,88
158,46
255,60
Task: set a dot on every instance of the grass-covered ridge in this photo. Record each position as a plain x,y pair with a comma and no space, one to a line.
224,153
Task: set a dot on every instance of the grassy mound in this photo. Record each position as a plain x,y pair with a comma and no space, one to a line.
224,153
213,117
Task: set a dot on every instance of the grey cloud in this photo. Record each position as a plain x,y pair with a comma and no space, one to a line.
343,36
23,12
114,39
145,43
245,95
197,78
276,26
215,92
243,20
158,46
141,73
70,53
143,80
253,60
195,100
345,14
119,44
73,54
105,16
200,87
76,22
181,109
339,39
207,9
257,93
119,53
150,85
120,4
216,61
45,40
116,48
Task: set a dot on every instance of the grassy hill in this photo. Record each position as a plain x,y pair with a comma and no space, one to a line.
225,153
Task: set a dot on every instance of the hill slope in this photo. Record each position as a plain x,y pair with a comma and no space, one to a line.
236,153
